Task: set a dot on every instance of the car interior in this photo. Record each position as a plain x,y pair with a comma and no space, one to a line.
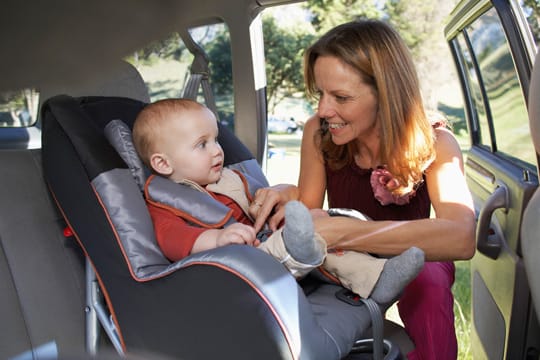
80,271
92,286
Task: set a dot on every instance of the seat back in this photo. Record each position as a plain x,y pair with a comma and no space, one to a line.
41,272
39,267
530,228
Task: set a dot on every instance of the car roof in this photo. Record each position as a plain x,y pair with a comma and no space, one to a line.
61,40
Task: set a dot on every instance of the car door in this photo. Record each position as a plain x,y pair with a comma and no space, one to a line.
494,51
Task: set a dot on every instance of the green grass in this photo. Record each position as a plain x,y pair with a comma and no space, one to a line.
462,309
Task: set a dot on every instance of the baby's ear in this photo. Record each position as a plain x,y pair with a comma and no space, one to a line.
160,164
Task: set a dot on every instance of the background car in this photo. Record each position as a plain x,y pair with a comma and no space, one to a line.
277,125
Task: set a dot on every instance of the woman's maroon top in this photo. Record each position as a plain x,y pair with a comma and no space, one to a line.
350,187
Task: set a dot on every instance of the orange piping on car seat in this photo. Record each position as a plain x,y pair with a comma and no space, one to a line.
102,287
106,294
261,295
126,258
287,335
246,186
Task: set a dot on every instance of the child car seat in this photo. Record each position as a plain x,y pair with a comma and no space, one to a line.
230,302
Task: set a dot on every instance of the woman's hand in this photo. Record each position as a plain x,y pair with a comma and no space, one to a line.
268,205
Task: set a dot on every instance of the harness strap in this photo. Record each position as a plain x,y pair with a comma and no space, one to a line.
194,204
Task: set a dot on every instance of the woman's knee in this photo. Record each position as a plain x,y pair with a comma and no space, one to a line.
434,275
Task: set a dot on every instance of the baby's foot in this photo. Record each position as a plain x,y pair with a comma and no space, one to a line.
298,235
397,273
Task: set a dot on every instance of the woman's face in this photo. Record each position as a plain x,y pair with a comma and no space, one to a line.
348,105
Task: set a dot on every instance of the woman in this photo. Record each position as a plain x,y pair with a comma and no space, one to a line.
371,147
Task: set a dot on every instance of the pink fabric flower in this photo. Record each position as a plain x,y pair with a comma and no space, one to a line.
382,182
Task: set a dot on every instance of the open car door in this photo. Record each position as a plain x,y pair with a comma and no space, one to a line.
494,52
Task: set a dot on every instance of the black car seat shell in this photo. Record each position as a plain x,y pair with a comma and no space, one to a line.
231,302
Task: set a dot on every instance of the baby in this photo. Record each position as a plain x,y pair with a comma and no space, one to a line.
177,139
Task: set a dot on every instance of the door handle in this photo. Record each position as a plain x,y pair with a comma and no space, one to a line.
487,243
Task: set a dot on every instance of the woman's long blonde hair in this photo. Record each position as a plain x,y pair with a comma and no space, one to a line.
379,55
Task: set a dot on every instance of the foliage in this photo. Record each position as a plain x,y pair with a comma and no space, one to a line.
329,13
533,17
171,47
219,50
421,24
11,100
283,52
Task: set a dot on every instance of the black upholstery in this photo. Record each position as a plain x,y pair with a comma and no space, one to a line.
231,302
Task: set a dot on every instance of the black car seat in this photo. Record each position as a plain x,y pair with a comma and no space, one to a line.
231,302
530,228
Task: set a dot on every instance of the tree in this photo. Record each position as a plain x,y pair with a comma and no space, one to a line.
419,22
283,52
533,17
329,13
284,58
169,48
219,50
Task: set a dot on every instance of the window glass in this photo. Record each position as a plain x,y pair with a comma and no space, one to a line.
503,90
215,41
165,66
18,108
479,123
531,9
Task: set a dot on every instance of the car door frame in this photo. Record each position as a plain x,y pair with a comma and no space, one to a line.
502,314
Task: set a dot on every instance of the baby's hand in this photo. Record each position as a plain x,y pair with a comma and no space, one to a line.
237,233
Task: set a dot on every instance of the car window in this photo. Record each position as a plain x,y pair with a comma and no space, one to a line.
480,125
166,65
500,115
531,10
19,108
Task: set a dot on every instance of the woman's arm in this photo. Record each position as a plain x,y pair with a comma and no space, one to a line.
269,203
448,236
312,178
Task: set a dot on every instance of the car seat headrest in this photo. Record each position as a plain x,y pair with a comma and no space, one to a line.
119,136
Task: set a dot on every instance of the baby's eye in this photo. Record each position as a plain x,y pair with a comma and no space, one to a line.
202,145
